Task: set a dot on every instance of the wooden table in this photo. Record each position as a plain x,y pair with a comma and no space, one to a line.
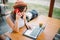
52,26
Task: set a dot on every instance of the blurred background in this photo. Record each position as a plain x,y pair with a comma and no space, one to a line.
42,6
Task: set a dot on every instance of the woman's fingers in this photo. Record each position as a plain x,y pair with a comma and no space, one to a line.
28,27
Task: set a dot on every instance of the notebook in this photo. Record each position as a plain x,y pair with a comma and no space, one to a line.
34,32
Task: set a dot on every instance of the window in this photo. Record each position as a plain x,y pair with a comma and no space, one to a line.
56,10
41,6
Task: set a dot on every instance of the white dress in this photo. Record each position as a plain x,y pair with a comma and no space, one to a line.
20,23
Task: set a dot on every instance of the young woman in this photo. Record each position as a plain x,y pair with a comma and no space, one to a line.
17,18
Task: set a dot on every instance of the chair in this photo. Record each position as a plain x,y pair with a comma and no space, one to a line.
3,25
57,36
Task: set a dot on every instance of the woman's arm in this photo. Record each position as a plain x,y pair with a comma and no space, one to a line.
25,22
11,24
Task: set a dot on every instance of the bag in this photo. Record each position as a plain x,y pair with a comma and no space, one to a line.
31,15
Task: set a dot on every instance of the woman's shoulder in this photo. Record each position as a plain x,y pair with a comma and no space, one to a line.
8,16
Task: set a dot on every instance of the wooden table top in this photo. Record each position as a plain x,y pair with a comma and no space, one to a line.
52,26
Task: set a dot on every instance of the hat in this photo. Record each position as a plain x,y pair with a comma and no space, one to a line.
20,3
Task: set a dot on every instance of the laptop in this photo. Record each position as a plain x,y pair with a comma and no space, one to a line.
34,32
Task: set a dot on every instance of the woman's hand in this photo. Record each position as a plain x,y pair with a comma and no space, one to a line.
28,26
16,29
18,15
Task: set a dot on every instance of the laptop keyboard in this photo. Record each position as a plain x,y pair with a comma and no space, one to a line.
35,32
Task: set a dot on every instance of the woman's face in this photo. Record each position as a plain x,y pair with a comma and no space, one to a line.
22,13
19,14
